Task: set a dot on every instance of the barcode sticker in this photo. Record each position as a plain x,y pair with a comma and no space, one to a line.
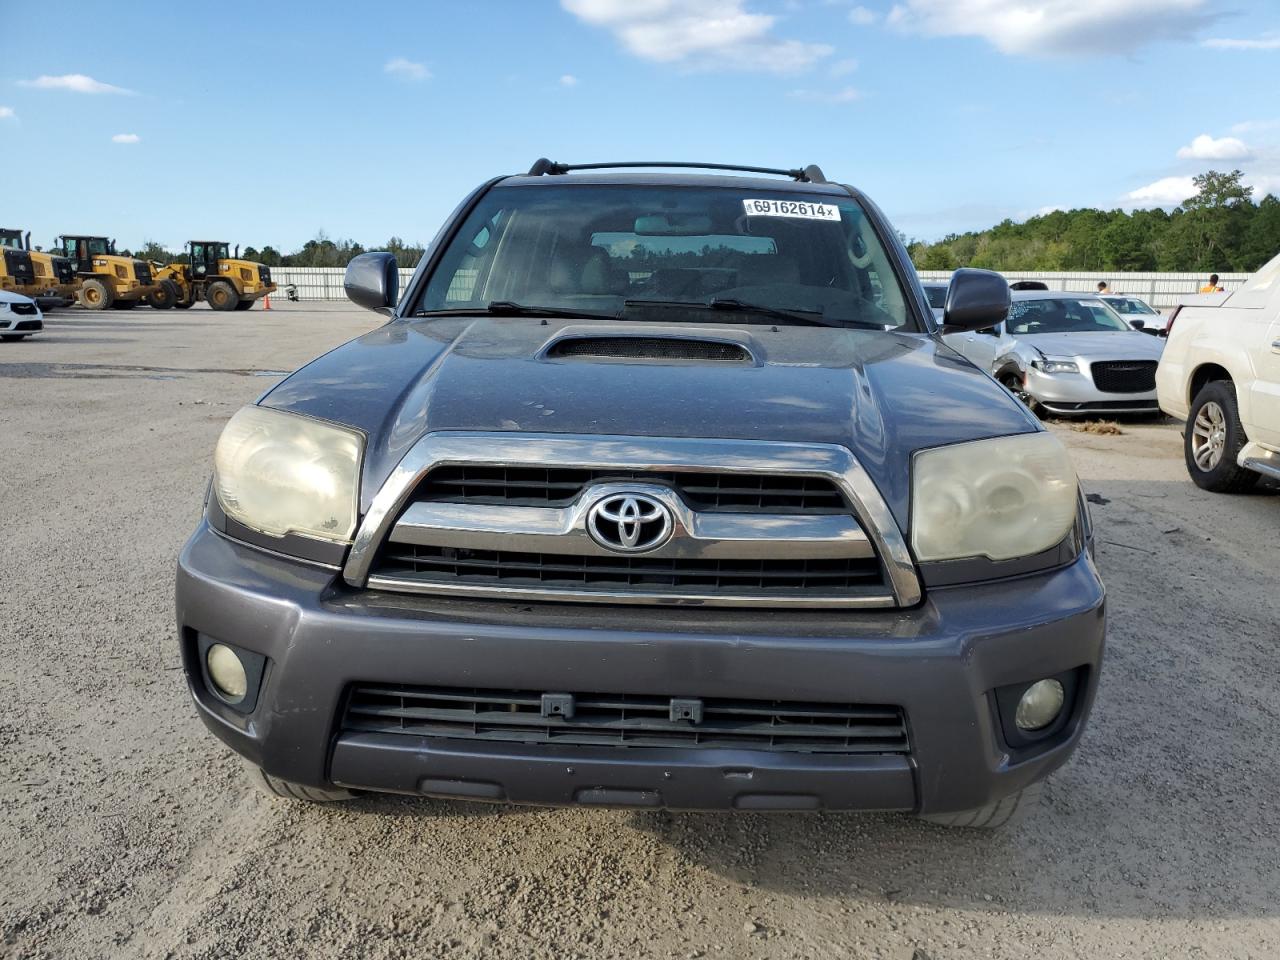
791,208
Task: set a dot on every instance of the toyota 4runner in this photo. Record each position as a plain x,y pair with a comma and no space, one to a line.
657,489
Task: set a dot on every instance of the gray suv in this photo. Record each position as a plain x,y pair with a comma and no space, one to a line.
656,490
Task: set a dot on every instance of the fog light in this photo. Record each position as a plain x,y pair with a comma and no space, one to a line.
1040,705
228,676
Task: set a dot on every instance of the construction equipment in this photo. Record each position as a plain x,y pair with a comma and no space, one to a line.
106,278
16,272
53,277
224,281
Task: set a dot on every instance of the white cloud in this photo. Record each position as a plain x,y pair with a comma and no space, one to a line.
1255,126
842,68
1166,192
125,138
1205,147
74,82
6,113
1268,41
1057,27
845,95
700,34
1263,184
862,17
406,69
568,80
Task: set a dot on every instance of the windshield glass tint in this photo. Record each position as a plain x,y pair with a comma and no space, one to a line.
594,247
1062,316
1129,306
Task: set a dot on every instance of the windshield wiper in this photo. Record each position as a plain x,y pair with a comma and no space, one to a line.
509,308
810,318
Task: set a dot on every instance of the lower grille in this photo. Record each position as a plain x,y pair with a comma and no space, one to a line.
143,272
626,720
559,486
1125,376
648,575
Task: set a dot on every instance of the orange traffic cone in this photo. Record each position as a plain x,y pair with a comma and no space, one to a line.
267,304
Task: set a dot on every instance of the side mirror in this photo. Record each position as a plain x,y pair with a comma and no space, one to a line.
1138,324
373,282
975,299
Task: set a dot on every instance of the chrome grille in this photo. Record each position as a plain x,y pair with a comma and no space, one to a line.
626,720
549,486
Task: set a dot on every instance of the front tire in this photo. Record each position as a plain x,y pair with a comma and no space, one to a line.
96,294
279,789
245,305
1013,383
221,295
993,816
1213,440
164,296
13,337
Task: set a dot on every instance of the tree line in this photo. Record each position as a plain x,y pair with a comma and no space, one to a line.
318,252
1219,229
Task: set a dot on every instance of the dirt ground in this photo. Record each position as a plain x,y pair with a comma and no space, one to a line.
127,831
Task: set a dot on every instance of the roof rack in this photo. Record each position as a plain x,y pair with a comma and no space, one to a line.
544,167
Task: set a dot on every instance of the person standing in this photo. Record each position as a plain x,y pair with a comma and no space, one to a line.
1212,286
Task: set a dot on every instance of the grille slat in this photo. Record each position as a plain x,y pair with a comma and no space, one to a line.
626,721
455,565
1124,376
552,487
649,348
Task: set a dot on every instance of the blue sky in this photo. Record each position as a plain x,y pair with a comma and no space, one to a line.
265,123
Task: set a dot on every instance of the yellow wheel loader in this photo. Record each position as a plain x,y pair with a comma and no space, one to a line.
53,278
225,282
16,272
107,279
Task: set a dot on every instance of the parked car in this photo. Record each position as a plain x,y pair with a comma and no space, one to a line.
20,316
1138,313
937,295
1067,354
656,490
1221,374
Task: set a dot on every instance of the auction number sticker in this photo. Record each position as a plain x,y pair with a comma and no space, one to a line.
791,208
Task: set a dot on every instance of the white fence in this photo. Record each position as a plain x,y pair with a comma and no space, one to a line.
1162,290
1158,289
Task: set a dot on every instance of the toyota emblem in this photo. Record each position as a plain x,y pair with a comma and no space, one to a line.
629,522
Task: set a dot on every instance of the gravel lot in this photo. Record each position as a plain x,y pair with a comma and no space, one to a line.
127,831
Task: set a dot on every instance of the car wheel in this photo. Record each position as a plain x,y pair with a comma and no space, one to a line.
1002,813
1013,383
288,790
13,337
221,295
1213,440
96,295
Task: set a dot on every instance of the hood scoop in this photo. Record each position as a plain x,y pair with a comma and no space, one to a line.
648,348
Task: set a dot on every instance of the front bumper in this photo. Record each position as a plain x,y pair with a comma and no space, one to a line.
1074,394
939,661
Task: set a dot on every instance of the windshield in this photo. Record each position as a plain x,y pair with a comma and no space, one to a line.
669,252
1062,316
1128,306
11,238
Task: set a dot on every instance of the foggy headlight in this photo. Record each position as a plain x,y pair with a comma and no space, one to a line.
1002,498
282,473
1055,366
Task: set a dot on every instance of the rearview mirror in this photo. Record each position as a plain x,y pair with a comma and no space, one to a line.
976,299
372,281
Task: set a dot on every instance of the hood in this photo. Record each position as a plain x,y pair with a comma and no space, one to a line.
8,296
882,395
1114,345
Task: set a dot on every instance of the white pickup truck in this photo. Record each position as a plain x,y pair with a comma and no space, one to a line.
1220,372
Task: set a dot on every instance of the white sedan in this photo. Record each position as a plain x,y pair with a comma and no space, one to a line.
19,316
